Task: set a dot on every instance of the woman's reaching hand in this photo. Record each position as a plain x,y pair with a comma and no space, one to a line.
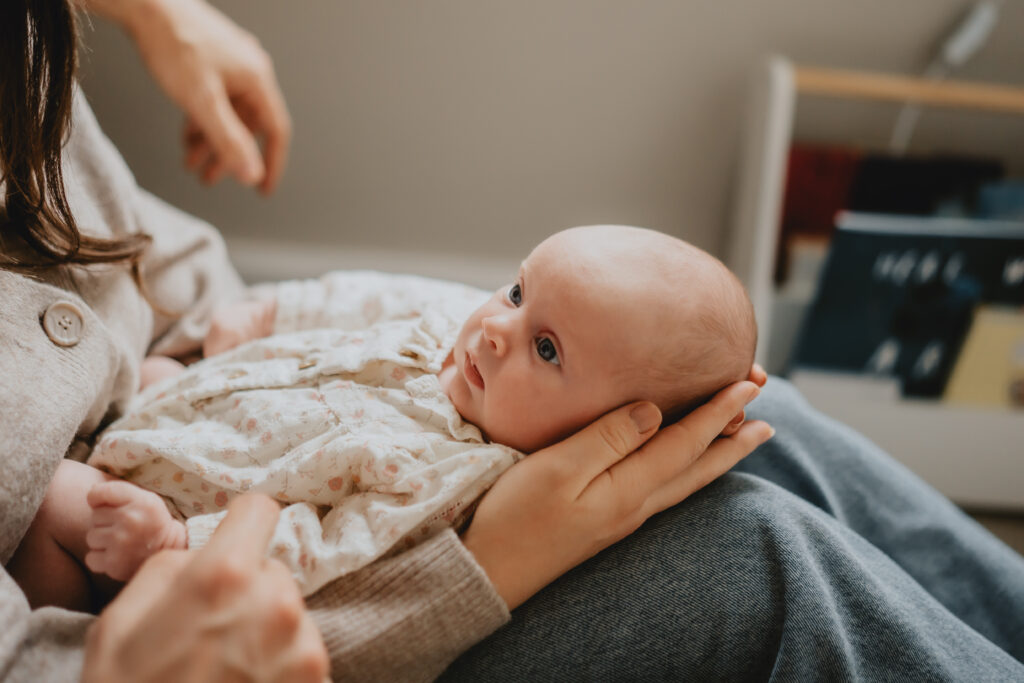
564,504
221,77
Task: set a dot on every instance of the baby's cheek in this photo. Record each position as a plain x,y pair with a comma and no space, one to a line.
521,424
462,399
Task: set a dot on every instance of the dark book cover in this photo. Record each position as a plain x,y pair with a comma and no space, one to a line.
897,294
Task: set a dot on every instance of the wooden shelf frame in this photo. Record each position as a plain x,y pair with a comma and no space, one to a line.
873,86
765,149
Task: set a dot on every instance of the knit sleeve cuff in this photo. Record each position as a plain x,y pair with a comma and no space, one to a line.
408,617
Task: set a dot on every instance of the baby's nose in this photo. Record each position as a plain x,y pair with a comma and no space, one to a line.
495,329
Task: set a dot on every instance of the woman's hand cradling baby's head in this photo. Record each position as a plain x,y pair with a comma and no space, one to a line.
562,505
223,80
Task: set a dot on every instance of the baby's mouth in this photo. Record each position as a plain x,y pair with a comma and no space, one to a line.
473,375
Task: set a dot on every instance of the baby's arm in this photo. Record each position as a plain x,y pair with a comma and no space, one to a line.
355,300
342,300
155,368
237,323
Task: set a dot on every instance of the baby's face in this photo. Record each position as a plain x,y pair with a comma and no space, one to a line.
537,361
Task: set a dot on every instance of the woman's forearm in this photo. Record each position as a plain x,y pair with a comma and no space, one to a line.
125,13
407,617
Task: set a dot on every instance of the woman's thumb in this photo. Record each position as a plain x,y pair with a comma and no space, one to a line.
616,435
645,417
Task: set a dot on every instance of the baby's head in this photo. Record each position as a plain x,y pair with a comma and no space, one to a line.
598,317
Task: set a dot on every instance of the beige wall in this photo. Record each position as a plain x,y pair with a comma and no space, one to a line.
481,126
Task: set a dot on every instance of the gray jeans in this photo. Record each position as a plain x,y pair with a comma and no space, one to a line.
817,558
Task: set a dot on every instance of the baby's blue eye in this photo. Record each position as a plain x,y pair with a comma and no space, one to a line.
546,350
515,294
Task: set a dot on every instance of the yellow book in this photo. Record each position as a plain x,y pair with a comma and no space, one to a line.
990,368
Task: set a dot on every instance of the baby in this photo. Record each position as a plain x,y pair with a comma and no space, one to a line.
383,406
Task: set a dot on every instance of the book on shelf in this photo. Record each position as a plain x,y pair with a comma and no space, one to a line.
990,368
898,295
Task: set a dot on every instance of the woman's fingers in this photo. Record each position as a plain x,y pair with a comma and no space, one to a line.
716,461
113,651
757,375
197,149
697,430
218,614
145,589
284,612
233,143
303,657
272,122
307,663
261,114
245,533
596,448
224,81
734,425
676,447
212,171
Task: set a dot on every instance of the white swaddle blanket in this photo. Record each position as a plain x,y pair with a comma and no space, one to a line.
345,425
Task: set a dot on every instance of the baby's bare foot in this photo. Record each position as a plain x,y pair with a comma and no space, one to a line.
128,525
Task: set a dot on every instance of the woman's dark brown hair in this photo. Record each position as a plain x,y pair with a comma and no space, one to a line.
38,41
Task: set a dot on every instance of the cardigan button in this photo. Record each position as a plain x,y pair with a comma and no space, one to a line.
63,323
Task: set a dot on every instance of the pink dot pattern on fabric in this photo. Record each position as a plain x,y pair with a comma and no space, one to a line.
359,445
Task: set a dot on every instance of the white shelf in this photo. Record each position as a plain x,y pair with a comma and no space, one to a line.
975,456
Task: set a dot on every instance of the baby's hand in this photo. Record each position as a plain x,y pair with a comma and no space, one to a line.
238,323
156,368
128,525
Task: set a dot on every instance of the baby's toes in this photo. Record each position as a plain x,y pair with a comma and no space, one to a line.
137,530
96,561
120,565
99,538
114,493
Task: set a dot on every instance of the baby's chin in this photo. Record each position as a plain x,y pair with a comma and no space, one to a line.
454,387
